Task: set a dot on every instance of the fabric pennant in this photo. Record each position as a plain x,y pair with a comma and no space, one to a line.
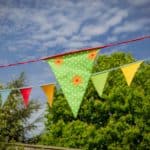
130,70
49,92
4,96
73,72
99,81
25,94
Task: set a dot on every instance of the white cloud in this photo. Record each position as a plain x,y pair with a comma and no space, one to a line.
112,39
41,25
131,26
117,18
67,25
108,21
138,2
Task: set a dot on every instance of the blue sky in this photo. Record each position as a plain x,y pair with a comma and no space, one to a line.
34,28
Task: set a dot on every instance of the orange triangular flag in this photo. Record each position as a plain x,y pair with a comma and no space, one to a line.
49,92
25,94
130,70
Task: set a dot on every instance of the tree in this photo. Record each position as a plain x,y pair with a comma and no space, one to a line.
14,116
118,120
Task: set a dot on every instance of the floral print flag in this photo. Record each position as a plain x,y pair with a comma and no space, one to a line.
73,72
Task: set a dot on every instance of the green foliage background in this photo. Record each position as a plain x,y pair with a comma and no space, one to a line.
14,116
119,120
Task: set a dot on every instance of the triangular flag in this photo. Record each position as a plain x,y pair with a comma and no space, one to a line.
99,81
73,72
25,94
130,70
49,92
4,96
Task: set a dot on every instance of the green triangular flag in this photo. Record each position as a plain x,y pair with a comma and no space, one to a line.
73,72
99,81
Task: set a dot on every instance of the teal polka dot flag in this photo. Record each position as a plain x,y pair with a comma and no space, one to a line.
73,72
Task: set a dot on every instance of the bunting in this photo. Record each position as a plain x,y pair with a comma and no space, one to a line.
130,70
4,96
49,92
73,72
99,81
25,94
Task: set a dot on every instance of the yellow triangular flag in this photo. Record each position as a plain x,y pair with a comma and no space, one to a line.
130,70
49,92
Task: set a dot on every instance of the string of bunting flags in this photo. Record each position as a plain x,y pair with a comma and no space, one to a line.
73,72
25,92
128,70
75,51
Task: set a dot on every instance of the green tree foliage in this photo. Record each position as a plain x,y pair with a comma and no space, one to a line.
14,116
119,120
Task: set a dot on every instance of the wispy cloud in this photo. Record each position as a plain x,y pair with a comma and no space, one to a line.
64,24
107,22
132,26
139,2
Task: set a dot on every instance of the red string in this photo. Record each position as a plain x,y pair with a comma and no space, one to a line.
75,51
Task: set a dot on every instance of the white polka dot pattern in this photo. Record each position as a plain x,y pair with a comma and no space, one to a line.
73,72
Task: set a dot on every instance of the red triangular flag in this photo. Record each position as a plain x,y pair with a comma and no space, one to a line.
25,94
